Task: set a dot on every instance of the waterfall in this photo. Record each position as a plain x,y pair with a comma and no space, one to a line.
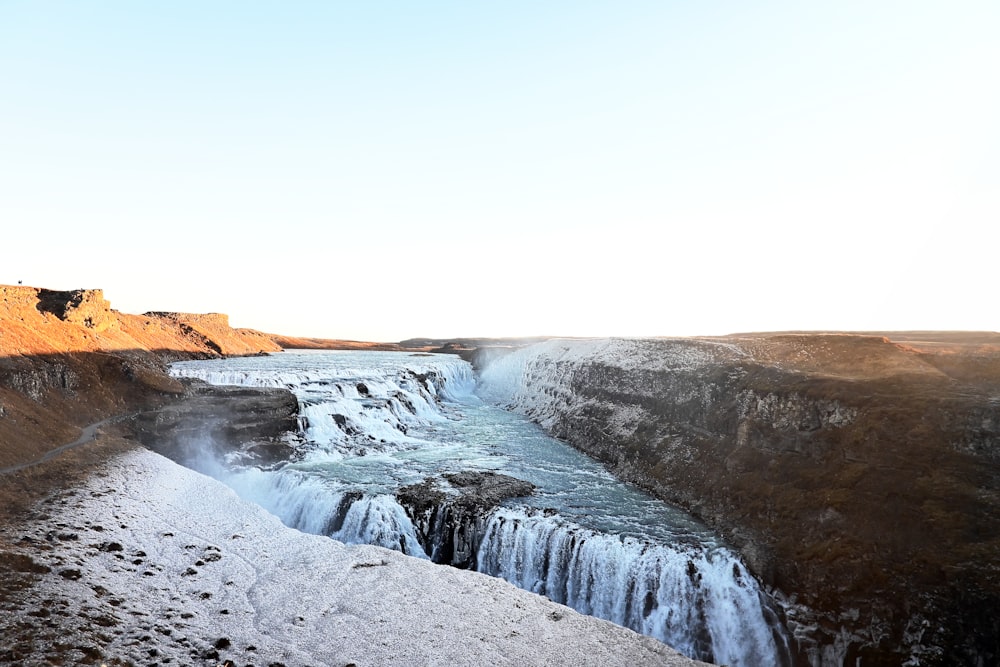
312,505
350,409
374,423
703,603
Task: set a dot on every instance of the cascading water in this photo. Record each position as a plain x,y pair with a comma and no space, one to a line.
313,505
696,600
376,422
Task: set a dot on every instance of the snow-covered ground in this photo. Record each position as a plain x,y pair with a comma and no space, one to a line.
152,563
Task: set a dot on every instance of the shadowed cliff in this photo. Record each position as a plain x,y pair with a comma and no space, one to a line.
858,475
68,359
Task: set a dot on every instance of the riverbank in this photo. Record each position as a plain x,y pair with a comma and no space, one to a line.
858,475
140,561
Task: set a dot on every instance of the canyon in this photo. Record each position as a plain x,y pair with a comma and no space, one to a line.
858,475
111,554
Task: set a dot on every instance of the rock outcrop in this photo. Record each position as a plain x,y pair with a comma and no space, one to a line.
450,515
211,331
68,359
859,477
241,425
85,307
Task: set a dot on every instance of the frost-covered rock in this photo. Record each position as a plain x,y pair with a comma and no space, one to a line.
451,515
841,466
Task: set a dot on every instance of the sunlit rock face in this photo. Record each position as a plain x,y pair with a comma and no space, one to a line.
858,476
68,359
86,307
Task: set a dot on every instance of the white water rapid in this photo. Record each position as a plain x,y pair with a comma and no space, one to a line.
374,422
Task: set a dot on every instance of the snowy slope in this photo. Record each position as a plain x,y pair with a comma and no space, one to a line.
167,563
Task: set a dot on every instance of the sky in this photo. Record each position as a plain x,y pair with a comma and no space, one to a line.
386,170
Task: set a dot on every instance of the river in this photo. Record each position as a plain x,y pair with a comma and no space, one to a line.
373,422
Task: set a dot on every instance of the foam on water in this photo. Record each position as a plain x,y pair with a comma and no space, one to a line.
377,421
702,602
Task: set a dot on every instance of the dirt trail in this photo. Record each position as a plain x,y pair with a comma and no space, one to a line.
86,436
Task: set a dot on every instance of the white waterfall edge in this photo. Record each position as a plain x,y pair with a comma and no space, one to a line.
696,600
293,597
706,622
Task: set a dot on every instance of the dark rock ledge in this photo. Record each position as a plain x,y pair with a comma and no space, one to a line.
253,425
450,514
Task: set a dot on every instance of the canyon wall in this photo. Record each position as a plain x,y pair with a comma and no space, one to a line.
68,359
859,477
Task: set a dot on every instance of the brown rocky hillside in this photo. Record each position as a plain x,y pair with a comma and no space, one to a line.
68,359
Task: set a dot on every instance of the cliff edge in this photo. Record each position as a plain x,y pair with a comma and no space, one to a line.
112,554
859,475
68,359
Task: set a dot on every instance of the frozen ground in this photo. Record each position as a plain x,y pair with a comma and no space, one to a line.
149,563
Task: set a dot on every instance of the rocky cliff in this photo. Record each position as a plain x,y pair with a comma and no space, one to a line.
208,578
858,476
451,521
68,359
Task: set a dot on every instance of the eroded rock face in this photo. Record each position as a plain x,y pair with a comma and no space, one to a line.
67,359
85,307
245,425
859,481
450,515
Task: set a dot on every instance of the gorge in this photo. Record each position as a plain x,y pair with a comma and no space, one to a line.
857,475
398,451
854,476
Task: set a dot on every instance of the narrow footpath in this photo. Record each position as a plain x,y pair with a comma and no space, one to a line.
86,436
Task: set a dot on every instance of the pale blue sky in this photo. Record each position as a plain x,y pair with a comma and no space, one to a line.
384,170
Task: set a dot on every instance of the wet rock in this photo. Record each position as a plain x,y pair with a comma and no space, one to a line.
850,471
486,490
420,498
253,425
450,514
